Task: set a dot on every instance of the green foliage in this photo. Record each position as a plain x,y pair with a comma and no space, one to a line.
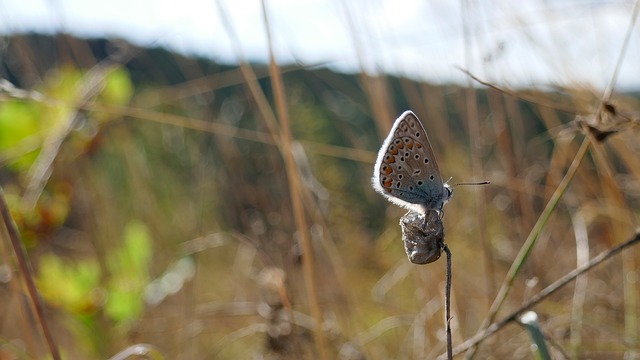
75,287
26,125
70,286
118,88
19,122
128,267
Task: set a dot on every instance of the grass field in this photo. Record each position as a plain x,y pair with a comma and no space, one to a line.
207,211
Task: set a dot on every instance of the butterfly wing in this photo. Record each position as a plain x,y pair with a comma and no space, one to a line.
406,171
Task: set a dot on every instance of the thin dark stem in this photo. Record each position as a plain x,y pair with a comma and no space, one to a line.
558,284
530,99
25,268
447,304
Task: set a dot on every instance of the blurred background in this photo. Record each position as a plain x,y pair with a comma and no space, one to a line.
170,190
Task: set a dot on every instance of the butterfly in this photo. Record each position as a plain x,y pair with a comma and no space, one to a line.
406,170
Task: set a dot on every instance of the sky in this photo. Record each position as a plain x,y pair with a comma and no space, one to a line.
509,43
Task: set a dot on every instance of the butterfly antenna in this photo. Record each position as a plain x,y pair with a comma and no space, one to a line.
472,183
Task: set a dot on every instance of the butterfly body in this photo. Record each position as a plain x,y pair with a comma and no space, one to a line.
406,171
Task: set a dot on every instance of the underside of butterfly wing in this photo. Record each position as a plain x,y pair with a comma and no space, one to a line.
406,171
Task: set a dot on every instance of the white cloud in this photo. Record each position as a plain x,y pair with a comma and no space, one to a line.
519,43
